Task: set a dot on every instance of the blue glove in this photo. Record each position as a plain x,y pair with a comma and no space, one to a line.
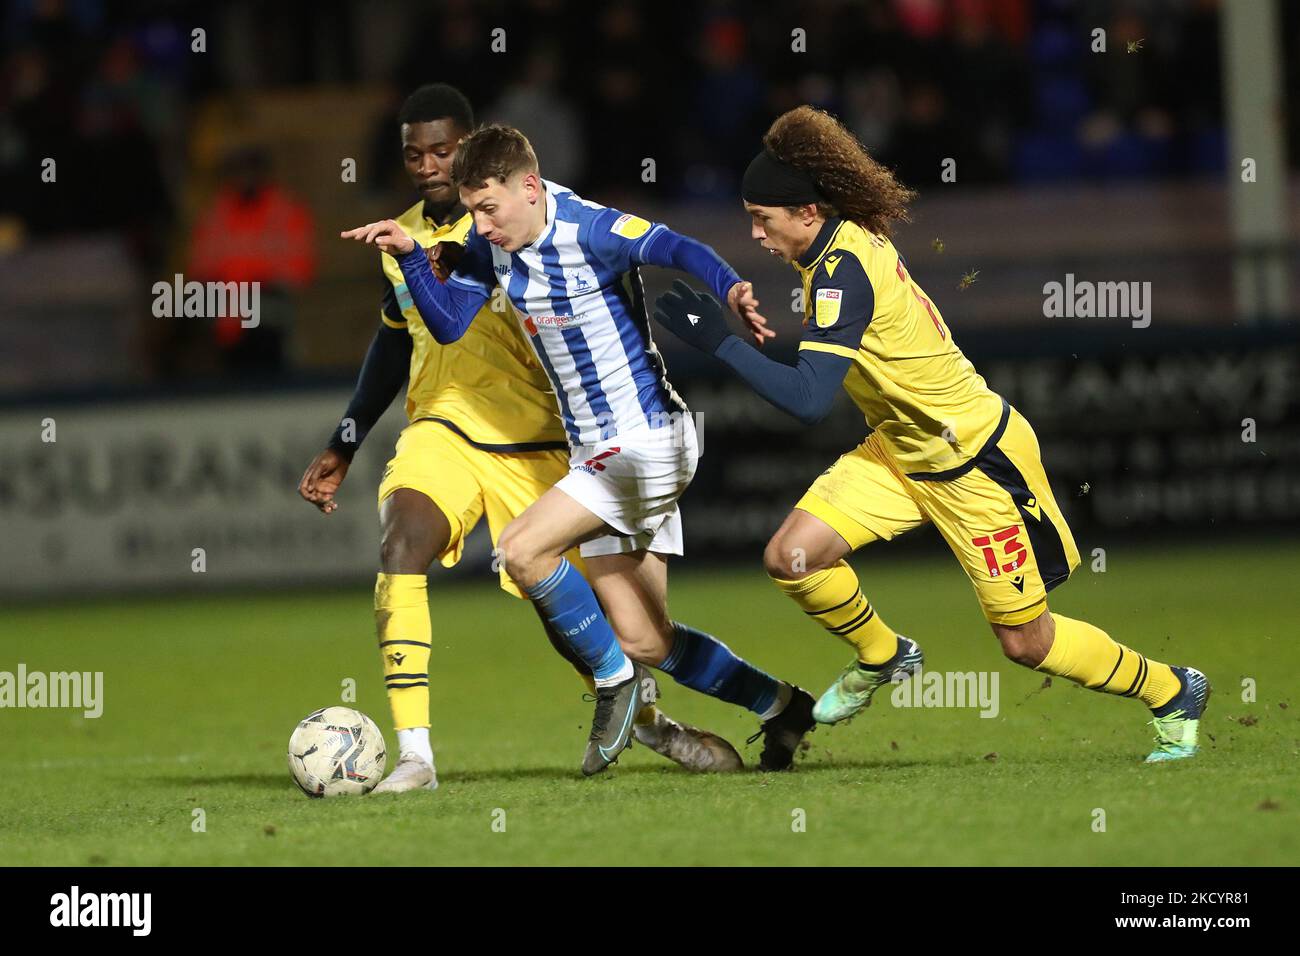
694,318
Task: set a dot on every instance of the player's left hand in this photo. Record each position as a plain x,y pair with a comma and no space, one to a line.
694,318
386,234
740,297
320,482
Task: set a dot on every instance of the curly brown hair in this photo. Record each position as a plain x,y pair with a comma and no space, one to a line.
854,185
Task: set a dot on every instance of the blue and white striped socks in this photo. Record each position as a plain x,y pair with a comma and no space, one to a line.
702,662
570,607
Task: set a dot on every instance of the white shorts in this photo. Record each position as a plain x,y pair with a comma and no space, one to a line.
632,483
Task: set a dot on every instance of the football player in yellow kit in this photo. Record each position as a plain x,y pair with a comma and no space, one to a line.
484,439
943,447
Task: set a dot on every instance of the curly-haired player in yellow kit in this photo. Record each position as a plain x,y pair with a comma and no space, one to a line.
484,439
943,447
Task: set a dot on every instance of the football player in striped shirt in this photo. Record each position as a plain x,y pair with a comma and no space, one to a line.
944,447
569,268
484,441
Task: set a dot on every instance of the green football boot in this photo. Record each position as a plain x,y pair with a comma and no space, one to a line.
852,691
1177,723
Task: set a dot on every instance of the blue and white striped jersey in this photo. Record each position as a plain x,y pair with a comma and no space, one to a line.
579,297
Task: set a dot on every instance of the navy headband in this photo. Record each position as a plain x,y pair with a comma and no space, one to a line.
770,182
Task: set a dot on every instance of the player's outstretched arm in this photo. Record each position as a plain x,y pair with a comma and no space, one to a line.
672,250
382,375
447,309
622,240
806,391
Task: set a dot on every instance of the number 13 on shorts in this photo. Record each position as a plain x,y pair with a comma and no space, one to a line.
1012,547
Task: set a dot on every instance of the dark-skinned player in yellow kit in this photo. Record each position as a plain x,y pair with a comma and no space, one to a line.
943,447
484,439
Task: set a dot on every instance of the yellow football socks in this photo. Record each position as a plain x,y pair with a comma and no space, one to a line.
402,623
834,599
1088,655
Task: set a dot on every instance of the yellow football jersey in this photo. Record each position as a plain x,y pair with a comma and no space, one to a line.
919,393
488,386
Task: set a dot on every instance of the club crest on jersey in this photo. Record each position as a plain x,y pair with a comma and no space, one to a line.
629,226
827,308
579,282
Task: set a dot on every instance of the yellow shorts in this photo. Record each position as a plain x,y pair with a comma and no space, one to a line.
466,483
997,514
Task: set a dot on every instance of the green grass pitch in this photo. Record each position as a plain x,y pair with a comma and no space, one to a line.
201,694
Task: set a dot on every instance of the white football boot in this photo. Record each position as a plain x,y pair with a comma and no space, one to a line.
412,772
690,747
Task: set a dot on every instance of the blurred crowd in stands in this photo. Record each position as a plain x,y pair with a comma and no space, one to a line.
1011,88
